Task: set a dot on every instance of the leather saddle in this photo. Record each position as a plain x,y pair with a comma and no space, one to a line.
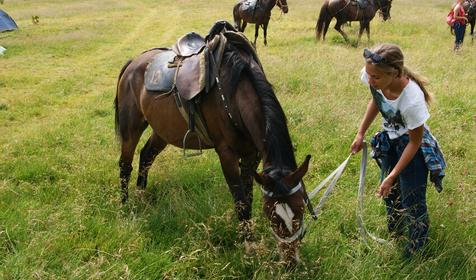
192,64
190,67
187,66
362,4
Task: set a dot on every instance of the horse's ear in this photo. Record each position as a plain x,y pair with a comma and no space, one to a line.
302,170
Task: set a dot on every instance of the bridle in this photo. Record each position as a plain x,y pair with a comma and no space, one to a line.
331,180
285,191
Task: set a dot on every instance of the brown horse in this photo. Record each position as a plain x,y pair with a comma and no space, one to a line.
257,12
350,10
245,123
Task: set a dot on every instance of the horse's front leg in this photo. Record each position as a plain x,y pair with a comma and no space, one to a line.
243,26
256,33
248,166
472,23
361,31
368,31
242,197
265,32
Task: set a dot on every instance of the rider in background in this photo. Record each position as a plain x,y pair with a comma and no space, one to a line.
405,149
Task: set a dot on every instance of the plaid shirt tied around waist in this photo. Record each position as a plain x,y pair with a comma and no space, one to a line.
434,160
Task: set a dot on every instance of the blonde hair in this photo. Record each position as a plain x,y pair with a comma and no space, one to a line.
394,59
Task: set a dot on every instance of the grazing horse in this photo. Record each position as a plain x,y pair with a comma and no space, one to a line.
243,119
350,10
257,12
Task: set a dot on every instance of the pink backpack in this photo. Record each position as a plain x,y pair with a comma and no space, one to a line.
450,18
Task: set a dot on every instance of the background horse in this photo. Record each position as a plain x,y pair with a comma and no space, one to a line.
257,12
349,10
469,7
246,124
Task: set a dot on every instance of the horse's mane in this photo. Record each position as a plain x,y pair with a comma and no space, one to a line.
279,149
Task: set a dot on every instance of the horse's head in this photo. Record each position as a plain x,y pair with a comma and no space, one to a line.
384,6
284,205
283,5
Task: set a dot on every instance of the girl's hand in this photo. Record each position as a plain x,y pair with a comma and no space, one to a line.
357,144
386,186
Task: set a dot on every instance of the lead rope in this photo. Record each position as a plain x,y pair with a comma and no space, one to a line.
360,198
334,177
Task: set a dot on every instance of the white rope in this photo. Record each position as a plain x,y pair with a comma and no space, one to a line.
360,198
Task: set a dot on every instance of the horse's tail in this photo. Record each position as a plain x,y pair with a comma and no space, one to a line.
116,103
321,21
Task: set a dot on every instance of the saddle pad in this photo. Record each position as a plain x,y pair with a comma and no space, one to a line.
158,76
250,3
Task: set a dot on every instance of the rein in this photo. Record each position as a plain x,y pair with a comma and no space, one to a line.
360,198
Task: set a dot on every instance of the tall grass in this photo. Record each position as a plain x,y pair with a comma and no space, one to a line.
60,216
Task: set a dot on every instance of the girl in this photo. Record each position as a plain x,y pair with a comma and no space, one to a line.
459,24
405,149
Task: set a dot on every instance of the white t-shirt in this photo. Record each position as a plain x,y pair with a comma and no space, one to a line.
408,111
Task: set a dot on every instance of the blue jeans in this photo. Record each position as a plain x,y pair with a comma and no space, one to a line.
406,204
459,29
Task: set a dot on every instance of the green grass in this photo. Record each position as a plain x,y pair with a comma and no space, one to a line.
60,215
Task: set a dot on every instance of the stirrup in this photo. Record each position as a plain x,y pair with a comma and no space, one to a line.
191,154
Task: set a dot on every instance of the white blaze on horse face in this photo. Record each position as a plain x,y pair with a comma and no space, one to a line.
286,213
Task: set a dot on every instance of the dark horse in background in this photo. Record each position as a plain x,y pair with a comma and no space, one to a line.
350,10
469,7
257,12
243,119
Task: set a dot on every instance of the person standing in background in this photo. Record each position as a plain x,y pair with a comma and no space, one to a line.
459,23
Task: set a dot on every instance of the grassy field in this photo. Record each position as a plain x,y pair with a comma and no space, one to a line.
60,211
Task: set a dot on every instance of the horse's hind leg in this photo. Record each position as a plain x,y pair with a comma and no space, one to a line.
130,124
338,28
256,33
151,149
128,146
327,23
